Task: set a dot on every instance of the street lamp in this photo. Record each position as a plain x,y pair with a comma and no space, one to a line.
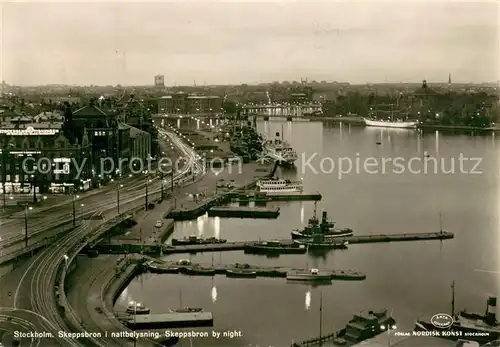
389,327
118,196
26,208
74,208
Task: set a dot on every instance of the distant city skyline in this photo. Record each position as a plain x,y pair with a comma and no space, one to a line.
218,43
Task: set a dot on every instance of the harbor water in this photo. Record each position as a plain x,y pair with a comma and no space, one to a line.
379,197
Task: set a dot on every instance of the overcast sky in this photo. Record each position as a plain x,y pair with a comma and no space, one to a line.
105,43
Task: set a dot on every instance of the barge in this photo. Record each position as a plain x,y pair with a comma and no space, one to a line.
274,247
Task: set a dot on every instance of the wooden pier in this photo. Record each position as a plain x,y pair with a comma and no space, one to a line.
169,320
244,212
128,247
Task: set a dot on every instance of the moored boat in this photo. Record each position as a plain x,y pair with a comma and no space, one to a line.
308,275
274,247
482,328
324,227
137,308
241,273
279,186
194,240
317,243
186,310
391,124
199,271
280,150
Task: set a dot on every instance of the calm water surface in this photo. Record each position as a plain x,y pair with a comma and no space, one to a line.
412,279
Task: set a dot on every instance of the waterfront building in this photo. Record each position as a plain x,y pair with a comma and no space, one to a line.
40,158
193,104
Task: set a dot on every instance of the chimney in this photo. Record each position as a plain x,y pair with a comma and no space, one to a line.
491,310
324,216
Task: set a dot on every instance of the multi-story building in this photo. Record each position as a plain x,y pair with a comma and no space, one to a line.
40,158
159,81
182,103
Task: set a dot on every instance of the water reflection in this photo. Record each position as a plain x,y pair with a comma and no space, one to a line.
214,294
308,299
201,220
217,227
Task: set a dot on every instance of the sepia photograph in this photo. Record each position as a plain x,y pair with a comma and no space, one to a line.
238,173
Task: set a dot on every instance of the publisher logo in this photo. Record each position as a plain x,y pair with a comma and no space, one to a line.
442,320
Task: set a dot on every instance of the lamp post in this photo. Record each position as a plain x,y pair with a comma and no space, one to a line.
147,187
5,153
118,196
74,208
81,210
389,327
26,208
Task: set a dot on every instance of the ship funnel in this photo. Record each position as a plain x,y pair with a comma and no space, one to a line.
324,216
491,310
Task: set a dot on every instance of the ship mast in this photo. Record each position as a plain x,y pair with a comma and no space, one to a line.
440,222
320,317
453,299
315,206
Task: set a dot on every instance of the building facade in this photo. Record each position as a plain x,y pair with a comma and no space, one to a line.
182,103
159,81
39,158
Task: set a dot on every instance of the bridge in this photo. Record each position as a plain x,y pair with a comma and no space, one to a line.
282,110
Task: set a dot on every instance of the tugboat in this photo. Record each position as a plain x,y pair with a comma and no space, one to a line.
194,240
325,227
274,247
318,242
482,328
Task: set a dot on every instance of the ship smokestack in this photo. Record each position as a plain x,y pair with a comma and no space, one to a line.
491,310
324,216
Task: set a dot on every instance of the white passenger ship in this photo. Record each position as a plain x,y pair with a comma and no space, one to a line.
390,124
279,186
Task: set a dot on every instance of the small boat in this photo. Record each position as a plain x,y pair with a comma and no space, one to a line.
137,308
308,275
318,242
325,227
186,310
194,240
274,247
241,273
199,271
